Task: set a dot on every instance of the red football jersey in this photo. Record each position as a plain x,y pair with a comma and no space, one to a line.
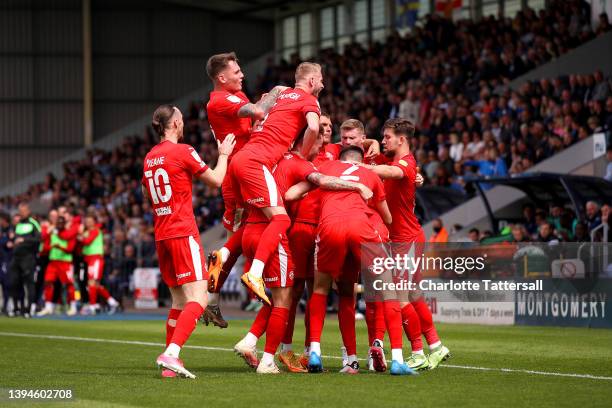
401,199
286,120
290,170
349,204
168,172
222,110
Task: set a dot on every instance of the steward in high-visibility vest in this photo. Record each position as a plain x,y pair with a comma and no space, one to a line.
92,240
59,268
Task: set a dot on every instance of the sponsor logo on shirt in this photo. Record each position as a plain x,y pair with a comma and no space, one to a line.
274,279
163,211
183,275
255,200
293,95
234,99
156,161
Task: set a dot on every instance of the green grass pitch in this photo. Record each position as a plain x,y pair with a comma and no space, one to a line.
122,374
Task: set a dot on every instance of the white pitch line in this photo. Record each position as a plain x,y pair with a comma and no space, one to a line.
147,343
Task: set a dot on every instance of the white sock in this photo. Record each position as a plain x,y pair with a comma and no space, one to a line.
173,350
435,345
315,347
49,305
306,350
352,358
112,302
397,355
286,347
267,359
225,253
213,299
73,305
250,339
418,352
257,268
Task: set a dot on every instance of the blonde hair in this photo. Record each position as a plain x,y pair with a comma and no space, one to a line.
351,124
305,69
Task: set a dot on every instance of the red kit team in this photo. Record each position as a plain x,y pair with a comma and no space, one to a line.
299,209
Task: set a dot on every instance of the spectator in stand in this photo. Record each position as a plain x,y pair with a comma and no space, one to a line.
546,233
519,233
474,235
593,218
608,174
440,234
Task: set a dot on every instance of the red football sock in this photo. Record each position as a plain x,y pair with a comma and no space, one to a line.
173,315
412,327
93,294
370,318
346,322
307,328
234,243
316,315
288,336
70,290
186,323
48,292
426,320
380,327
277,324
103,292
258,328
271,236
393,321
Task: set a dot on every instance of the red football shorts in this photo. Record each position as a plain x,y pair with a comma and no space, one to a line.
337,241
181,260
411,245
253,182
233,216
279,270
95,266
59,270
302,238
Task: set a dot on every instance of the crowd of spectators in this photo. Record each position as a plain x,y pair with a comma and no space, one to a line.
538,224
450,78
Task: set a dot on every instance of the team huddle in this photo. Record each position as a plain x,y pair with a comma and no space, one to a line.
299,209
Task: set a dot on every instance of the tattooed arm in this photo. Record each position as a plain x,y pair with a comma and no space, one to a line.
260,109
335,183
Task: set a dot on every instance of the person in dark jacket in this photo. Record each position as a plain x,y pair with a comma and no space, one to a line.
23,264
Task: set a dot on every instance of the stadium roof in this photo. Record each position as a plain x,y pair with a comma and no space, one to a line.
264,9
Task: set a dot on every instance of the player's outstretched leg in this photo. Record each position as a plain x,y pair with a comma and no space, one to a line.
277,324
317,307
246,348
412,326
194,296
437,351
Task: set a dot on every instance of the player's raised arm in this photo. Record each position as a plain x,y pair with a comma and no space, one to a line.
214,178
260,109
311,133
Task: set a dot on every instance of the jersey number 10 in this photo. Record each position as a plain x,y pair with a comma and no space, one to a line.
156,182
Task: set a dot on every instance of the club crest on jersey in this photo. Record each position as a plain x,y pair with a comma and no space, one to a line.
234,99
